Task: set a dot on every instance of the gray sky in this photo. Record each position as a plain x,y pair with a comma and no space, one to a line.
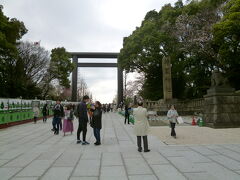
84,26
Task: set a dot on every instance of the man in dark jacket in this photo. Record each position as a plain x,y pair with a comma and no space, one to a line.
58,114
81,113
45,112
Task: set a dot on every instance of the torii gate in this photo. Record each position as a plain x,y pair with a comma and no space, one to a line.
76,55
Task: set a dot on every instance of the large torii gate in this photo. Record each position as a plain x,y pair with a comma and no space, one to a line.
76,55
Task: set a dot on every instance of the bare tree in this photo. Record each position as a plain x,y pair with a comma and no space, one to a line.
134,87
36,60
82,89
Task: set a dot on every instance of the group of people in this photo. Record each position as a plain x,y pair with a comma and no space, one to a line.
86,113
36,113
92,113
107,107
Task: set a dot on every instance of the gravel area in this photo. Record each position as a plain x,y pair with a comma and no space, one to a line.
197,135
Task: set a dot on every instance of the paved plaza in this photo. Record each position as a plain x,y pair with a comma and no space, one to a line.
31,151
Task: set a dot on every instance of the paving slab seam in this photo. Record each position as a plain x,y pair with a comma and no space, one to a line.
50,135
11,159
50,166
224,155
22,168
26,135
28,163
230,149
114,129
153,173
104,127
16,141
15,174
100,167
173,164
75,166
124,165
30,140
216,162
84,147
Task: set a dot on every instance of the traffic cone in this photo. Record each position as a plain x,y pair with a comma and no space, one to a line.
193,121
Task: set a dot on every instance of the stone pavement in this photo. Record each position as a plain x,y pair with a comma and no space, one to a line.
31,151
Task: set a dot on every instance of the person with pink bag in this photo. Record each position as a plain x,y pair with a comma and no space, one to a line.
68,120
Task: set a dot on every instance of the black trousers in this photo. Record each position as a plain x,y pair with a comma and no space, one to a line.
45,118
126,118
145,142
35,119
82,127
173,133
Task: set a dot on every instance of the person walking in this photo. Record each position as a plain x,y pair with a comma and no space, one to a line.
45,112
58,114
172,117
68,120
104,108
36,113
126,114
141,126
81,113
96,123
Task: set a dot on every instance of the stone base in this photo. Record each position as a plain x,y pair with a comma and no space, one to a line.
222,108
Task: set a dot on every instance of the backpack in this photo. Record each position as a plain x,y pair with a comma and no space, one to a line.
57,108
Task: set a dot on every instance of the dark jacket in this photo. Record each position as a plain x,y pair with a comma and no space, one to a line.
58,110
97,118
81,112
45,110
126,111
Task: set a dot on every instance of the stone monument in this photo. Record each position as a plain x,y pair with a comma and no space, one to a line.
167,78
221,104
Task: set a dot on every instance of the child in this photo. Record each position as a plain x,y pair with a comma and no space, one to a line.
68,120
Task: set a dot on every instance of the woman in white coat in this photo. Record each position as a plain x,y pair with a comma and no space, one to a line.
141,126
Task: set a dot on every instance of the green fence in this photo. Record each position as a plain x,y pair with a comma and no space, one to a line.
18,115
14,116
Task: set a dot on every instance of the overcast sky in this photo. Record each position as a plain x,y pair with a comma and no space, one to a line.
83,26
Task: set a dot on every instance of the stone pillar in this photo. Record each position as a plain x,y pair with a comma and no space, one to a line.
74,79
167,79
120,85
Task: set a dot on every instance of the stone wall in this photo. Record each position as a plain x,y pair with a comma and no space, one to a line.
222,108
186,107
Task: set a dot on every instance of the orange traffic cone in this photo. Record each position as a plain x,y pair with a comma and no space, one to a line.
193,121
